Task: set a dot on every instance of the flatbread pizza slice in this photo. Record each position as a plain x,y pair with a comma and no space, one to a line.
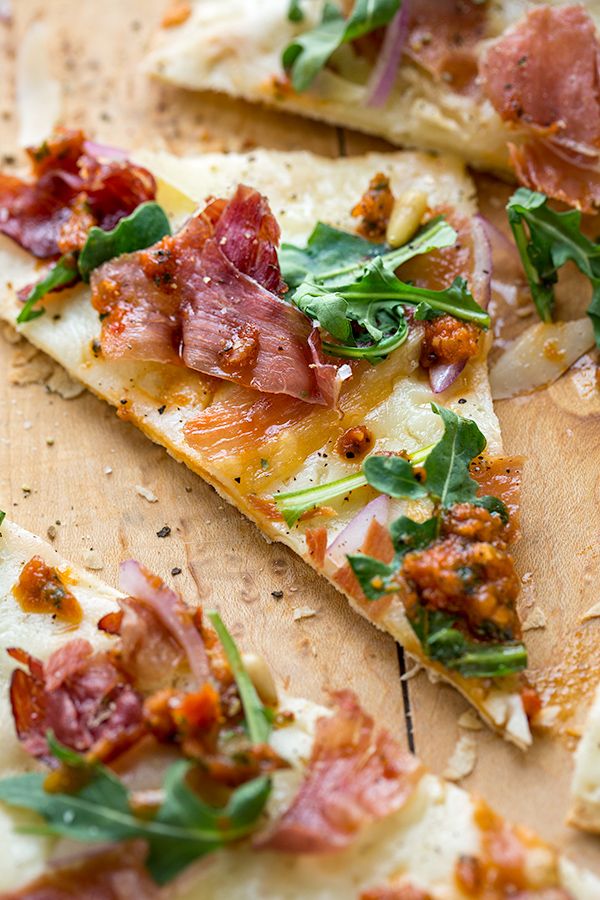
585,788
333,388
198,777
495,82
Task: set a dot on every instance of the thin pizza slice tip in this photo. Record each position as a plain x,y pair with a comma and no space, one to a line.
201,777
310,337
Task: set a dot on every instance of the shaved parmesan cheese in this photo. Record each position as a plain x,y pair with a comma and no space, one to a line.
470,720
146,493
304,612
539,356
93,560
585,788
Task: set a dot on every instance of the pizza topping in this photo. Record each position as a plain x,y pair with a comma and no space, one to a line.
354,443
444,37
352,292
448,341
354,777
171,612
71,187
40,589
375,208
546,240
82,698
559,116
404,891
452,571
205,298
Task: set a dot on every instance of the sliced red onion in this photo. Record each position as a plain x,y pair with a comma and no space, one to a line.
104,150
443,375
6,11
352,537
168,607
481,280
384,73
499,241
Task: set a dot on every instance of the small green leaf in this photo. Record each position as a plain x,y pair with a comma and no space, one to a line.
328,251
447,467
393,475
295,13
376,578
308,53
146,225
63,273
258,720
443,642
2,516
409,535
546,240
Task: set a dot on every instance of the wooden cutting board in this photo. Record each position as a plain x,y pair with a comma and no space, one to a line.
70,469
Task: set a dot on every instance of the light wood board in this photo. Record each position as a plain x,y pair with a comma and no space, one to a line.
94,51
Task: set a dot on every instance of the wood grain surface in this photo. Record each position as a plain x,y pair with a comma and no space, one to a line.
55,457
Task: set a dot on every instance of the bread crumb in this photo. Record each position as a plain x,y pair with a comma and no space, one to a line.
304,612
93,560
463,759
52,532
10,334
535,619
146,493
62,384
470,720
107,470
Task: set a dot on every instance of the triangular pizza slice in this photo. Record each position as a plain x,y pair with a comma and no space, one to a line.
332,385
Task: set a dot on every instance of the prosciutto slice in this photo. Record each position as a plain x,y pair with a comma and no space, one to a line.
140,637
443,38
80,696
548,87
207,298
71,191
353,778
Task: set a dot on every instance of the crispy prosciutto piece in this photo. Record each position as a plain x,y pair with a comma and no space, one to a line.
167,634
549,89
443,37
71,191
353,778
82,697
208,298
113,873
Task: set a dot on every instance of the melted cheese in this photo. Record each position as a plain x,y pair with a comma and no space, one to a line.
235,47
302,188
421,842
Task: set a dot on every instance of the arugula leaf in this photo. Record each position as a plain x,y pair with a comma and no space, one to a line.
333,257
291,504
184,828
146,225
327,251
447,467
258,720
308,53
63,273
393,475
376,578
444,643
546,240
409,535
295,13
2,516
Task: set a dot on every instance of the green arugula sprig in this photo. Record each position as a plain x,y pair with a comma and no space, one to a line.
257,716
348,286
447,482
292,504
2,516
145,226
546,240
295,12
309,52
183,829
